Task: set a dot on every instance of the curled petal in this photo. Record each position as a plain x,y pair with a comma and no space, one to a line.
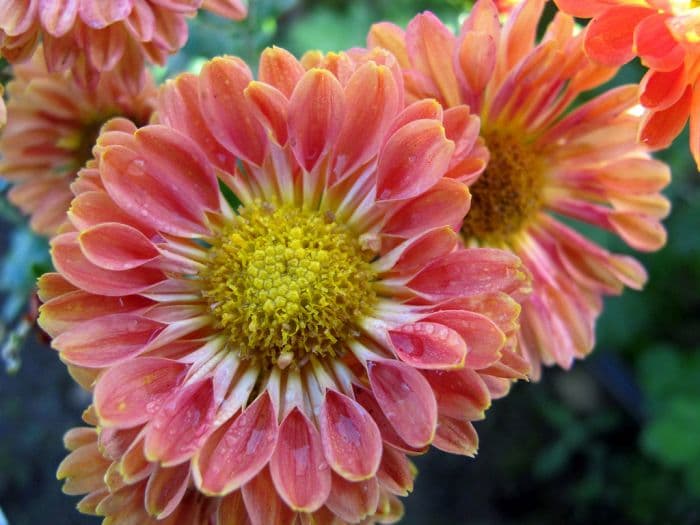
165,490
428,345
115,246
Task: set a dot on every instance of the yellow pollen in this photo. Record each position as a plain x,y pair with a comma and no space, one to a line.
284,283
509,193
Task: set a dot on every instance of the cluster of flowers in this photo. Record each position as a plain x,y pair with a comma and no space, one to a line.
278,290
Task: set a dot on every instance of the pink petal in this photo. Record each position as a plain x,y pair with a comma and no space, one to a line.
351,440
237,451
101,14
63,312
445,204
165,489
108,340
131,393
179,108
270,107
75,267
391,37
406,399
469,272
165,178
413,160
221,85
263,502
299,470
115,246
181,425
58,16
482,336
316,112
428,345
421,250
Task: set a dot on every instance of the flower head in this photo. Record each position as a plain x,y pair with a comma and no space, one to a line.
665,35
119,484
92,37
53,124
326,318
545,162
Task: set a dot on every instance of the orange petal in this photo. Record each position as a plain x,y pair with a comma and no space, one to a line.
459,393
353,502
431,45
280,69
610,36
316,112
263,502
656,46
659,128
227,113
373,100
456,436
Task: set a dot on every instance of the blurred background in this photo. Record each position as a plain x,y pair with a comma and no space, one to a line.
615,440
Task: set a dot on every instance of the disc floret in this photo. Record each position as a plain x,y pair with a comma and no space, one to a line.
284,283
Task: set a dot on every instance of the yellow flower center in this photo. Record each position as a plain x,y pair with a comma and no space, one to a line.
80,143
681,7
285,283
508,194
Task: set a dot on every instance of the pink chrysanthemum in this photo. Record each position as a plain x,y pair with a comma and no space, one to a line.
665,35
545,162
330,318
53,124
92,36
119,484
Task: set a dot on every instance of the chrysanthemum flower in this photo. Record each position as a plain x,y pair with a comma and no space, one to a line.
53,124
120,485
665,35
330,318
92,36
545,163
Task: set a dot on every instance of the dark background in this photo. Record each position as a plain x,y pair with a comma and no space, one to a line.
616,440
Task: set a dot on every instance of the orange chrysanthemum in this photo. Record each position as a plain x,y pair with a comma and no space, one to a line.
53,123
328,322
119,484
545,163
665,35
92,36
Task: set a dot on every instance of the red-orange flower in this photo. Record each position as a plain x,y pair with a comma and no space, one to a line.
120,485
665,35
328,322
545,161
92,36
53,124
